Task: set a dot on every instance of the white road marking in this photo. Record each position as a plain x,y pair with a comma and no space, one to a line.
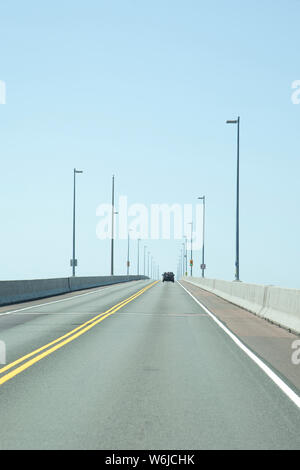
274,377
100,289
56,313
164,314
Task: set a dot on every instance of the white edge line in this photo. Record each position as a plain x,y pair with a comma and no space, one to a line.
274,377
100,288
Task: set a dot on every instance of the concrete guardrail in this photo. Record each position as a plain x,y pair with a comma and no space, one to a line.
276,304
20,291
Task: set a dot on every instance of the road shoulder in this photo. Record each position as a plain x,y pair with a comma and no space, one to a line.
270,342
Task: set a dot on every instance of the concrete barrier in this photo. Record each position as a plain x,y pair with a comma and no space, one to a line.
248,296
282,306
20,291
78,283
277,304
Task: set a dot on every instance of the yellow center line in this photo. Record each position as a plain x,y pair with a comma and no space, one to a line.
65,339
27,356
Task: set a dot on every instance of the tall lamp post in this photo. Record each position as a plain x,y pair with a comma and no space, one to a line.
128,259
203,236
185,255
237,256
74,260
112,226
191,260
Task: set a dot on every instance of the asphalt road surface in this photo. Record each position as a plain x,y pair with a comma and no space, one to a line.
154,372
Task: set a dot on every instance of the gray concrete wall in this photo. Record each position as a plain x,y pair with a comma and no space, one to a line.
277,304
19,291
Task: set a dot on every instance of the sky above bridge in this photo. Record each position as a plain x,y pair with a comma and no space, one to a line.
143,90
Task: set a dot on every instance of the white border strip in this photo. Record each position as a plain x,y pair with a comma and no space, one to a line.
277,380
100,289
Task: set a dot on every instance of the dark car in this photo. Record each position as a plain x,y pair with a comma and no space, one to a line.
168,277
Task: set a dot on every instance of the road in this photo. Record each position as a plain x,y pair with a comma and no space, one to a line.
155,372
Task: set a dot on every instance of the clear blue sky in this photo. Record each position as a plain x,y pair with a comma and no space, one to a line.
142,89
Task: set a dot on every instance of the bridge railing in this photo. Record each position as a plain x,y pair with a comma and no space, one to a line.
276,304
20,291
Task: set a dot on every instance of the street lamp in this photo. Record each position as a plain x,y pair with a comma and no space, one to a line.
185,237
237,256
191,260
113,213
128,259
183,256
74,260
203,228
112,226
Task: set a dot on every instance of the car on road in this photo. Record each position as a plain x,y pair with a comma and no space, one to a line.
168,277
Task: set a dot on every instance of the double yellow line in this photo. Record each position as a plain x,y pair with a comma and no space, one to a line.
63,340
